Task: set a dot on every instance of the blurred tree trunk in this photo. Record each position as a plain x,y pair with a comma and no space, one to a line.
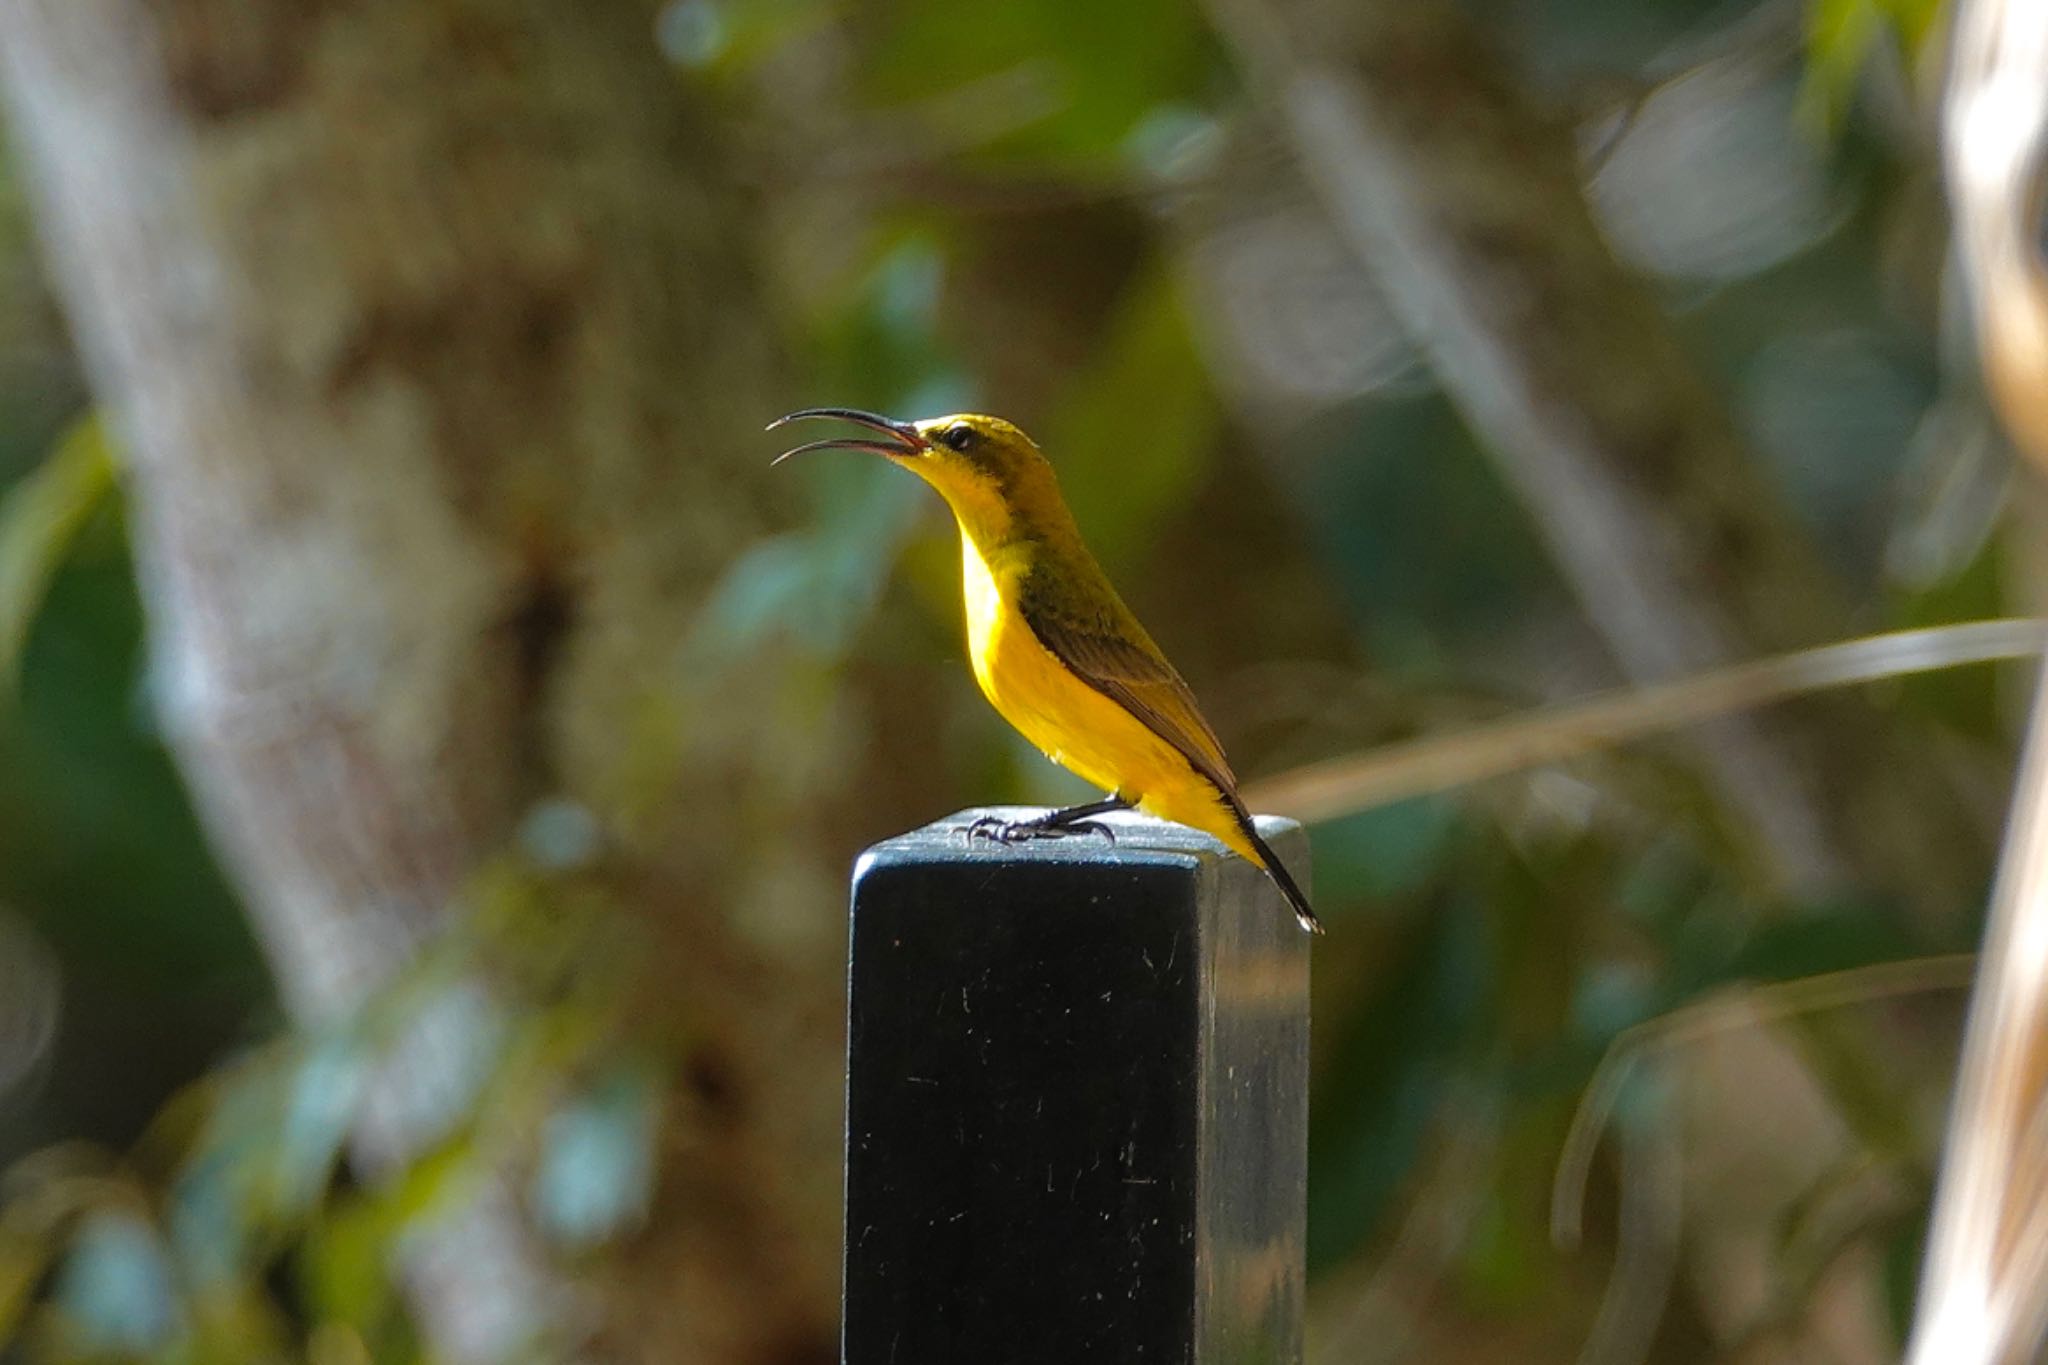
437,362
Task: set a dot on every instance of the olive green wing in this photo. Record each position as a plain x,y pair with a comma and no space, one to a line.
1102,642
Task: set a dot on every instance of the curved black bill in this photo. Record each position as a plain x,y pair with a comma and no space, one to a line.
907,441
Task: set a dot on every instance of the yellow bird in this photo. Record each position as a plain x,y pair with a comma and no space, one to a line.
1054,648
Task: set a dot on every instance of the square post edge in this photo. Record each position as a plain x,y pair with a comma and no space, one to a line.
1076,1100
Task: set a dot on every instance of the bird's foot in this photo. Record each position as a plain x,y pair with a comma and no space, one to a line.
998,830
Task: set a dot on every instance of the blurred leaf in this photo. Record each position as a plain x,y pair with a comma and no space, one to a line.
695,33
873,341
98,841
1175,142
344,1265
437,1180
116,1288
1840,37
24,1256
219,1210
818,586
1135,431
595,1176
38,522
878,345
239,1322
322,1093
48,1196
1039,79
348,1256
726,37
278,1124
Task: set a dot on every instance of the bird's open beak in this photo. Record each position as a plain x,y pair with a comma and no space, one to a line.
907,441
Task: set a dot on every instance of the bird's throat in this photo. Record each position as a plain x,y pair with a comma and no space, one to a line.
986,518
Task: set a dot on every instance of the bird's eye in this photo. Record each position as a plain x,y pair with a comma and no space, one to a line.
960,437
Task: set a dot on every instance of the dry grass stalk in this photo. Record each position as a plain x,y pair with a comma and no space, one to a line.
1341,786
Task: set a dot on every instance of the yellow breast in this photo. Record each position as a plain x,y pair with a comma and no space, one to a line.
1070,722
984,601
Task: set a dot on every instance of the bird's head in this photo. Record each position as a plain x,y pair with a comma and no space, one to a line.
991,473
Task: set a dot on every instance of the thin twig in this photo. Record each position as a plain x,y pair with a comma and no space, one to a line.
1646,1249
1748,1008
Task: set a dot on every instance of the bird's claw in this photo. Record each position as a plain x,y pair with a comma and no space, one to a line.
997,830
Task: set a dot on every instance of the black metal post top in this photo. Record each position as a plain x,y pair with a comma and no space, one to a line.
1076,1101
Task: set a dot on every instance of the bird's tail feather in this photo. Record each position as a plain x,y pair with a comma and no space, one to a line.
1277,870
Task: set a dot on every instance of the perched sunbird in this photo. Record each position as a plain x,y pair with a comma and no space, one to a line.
1055,650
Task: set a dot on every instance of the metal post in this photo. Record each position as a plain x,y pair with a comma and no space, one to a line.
1077,1102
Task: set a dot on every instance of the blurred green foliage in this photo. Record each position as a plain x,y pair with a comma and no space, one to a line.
1844,36
229,1232
1014,248
1040,82
44,514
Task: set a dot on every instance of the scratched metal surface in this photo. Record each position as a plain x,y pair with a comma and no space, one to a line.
1076,1102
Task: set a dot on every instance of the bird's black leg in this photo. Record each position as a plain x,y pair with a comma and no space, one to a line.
1054,824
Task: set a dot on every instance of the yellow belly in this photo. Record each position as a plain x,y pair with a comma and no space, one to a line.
1074,725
